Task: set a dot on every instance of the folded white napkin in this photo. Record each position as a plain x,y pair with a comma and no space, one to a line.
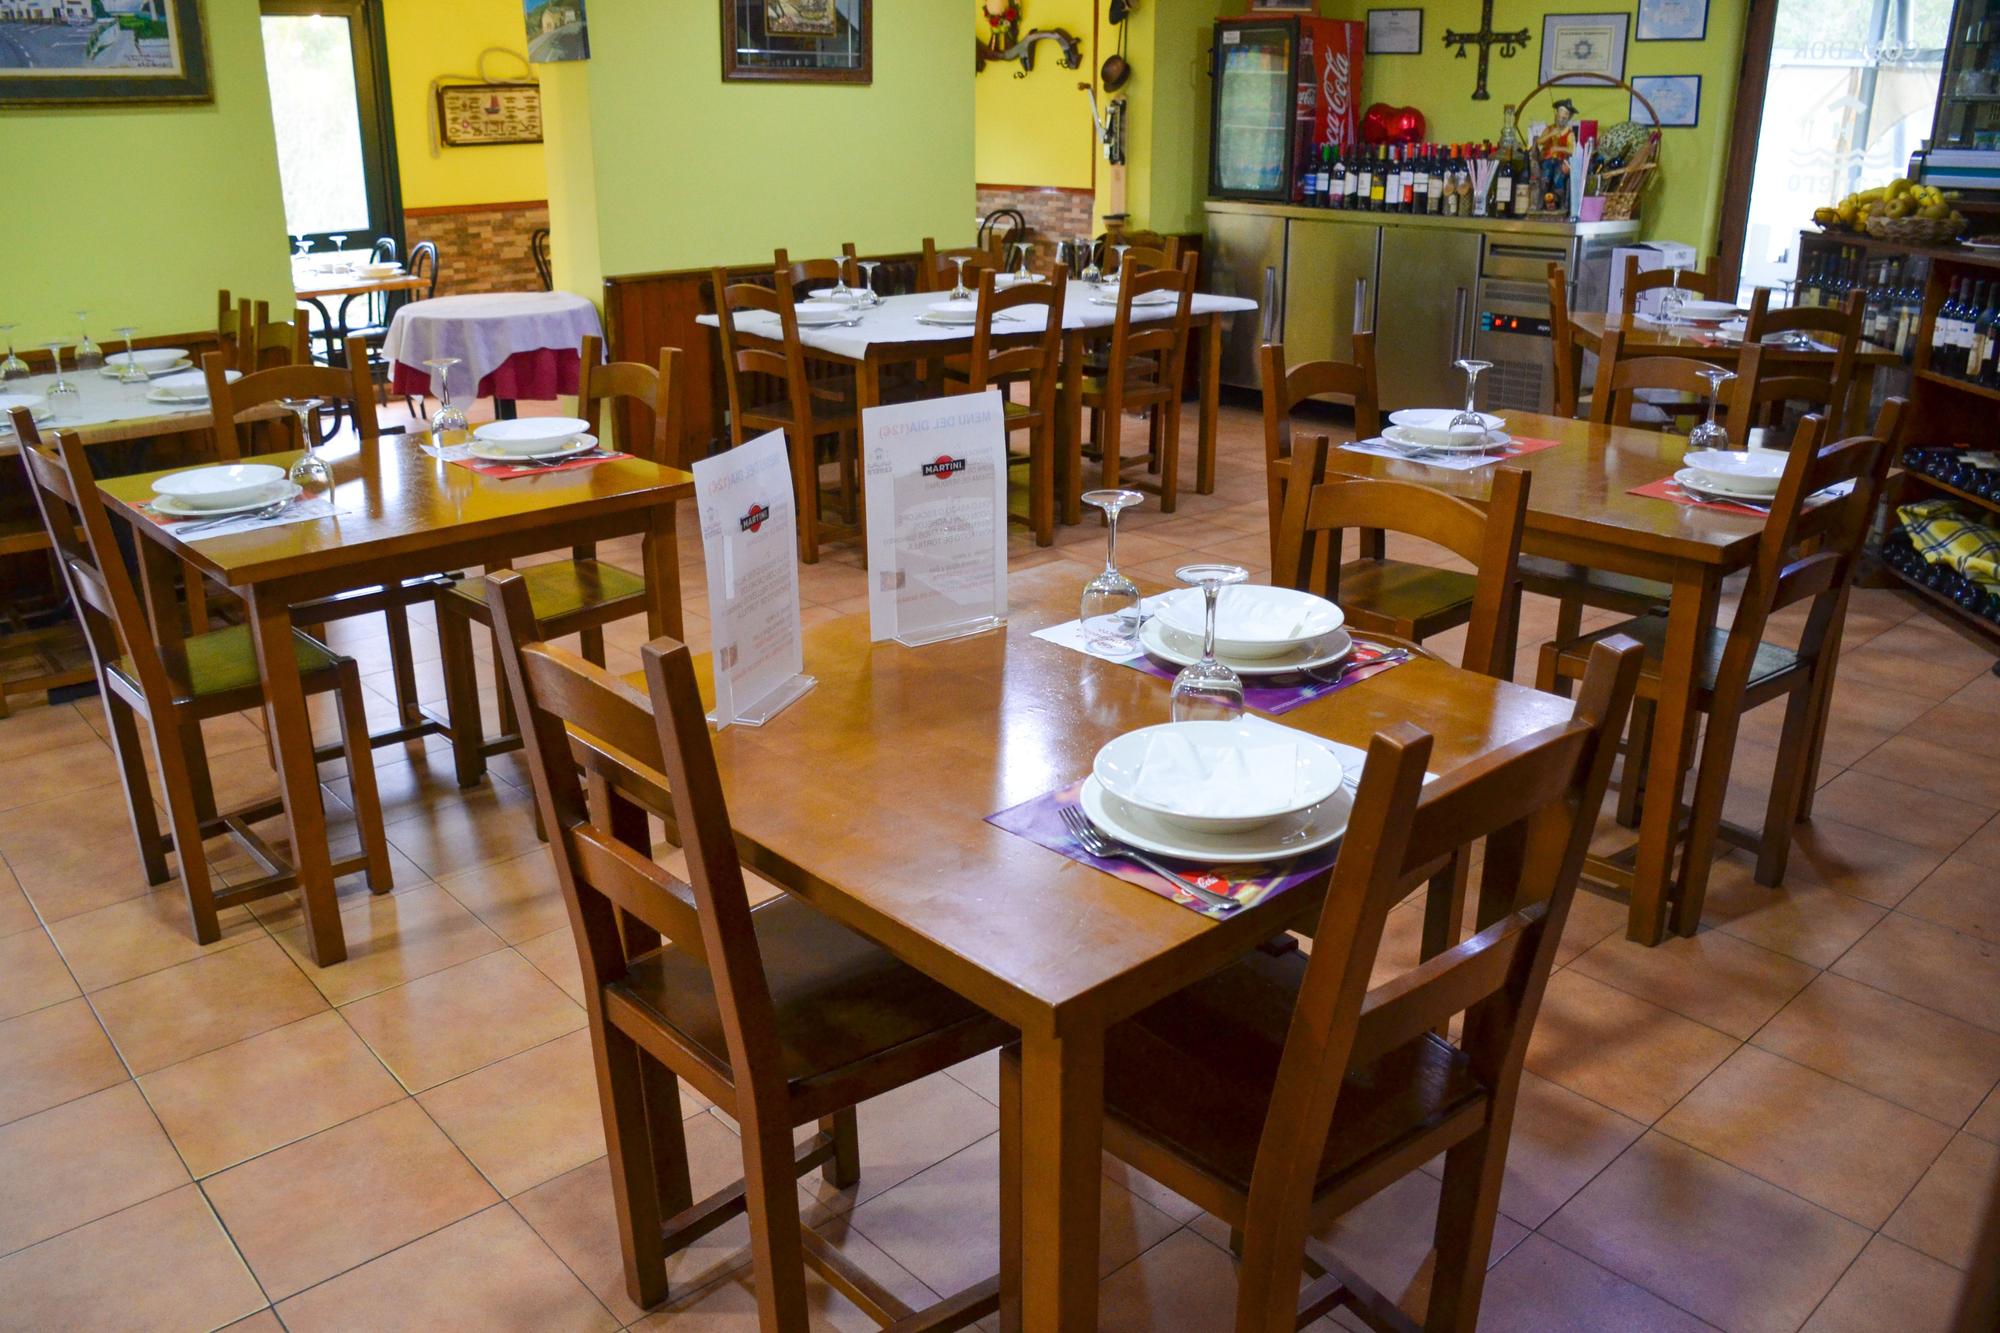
1220,781
1433,426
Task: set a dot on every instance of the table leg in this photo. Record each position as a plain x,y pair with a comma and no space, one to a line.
503,409
298,774
1691,617
1070,426
1062,1145
1211,400
660,551
158,569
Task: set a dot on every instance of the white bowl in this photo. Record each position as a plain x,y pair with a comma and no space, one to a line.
954,312
1218,776
1708,312
149,358
1432,425
529,435
1252,620
38,407
191,383
381,270
1755,472
220,487
813,314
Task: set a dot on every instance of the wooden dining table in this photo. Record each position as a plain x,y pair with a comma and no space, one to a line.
910,749
401,513
1580,512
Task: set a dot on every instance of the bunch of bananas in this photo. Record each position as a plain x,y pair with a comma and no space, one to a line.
1898,199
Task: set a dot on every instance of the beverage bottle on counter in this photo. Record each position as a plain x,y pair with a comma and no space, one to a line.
1988,370
1336,190
1322,177
1421,203
1436,202
1944,332
1909,311
1503,188
1975,334
1351,195
1378,182
1465,209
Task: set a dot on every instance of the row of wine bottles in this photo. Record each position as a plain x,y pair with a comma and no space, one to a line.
1396,178
1965,334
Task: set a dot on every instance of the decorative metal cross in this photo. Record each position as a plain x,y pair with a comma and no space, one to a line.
1485,39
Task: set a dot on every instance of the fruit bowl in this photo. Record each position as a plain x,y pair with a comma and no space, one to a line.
1917,231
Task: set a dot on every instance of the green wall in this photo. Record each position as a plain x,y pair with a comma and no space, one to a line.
139,214
690,171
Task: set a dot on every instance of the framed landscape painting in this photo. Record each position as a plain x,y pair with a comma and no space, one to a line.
557,30
96,52
798,41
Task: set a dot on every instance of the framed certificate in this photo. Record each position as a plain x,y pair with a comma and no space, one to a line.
1677,97
1672,21
1395,32
1584,44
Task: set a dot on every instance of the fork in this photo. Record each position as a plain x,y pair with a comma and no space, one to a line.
558,462
271,510
1093,841
1353,664
1717,497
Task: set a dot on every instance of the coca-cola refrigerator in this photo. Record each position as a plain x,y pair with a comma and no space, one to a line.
1283,88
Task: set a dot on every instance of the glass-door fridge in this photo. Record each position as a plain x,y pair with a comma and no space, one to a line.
1284,87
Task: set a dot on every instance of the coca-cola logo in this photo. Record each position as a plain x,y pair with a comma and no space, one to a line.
1334,82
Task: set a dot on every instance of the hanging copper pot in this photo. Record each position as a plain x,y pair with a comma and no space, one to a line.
1115,73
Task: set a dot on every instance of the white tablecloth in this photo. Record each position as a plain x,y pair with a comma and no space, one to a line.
100,401
483,331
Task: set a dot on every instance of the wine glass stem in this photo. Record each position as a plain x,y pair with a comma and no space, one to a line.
1209,592
1111,540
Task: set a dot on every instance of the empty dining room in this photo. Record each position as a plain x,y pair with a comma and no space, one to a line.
1232,665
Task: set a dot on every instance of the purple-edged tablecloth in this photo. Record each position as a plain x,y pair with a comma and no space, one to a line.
484,331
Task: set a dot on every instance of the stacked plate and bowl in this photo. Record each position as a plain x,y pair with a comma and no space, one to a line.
38,409
1431,428
222,491
155,361
533,440
1259,630
1732,474
187,388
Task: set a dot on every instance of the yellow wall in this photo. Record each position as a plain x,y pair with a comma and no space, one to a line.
689,171
1036,130
428,39
139,214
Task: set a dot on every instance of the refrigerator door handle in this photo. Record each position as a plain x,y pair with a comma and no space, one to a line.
1272,318
1458,331
1362,324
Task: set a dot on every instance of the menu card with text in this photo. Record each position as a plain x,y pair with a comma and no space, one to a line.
749,540
937,517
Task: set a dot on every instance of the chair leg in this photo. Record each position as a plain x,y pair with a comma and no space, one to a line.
591,642
179,786
1569,625
1632,781
461,694
1170,462
1472,1174
360,756
770,1193
669,1138
843,1169
1788,787
805,497
1153,447
1010,1190
1042,481
1711,787
138,792
621,1097
403,664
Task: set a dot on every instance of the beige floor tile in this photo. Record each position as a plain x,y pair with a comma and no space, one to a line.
141,935
1926,818
264,1321
162,1264
231,1104
1903,1052
1983,847
1890,1286
1822,1139
1961,894
1619,1050
16,912
32,973
1943,1213
729,1305
1881,663
168,1016
528,1118
73,853
76,1162
53,1055
518,899
1183,1282
1560,1141
554,956
1592,918
1388,1240
452,1022
1860,862
1942,969
393,938
1713,978
1985,1122
906,1131
1798,919
31,728
325,1204
61,770
1966,774
1713,1240
1541,1287
483,825
489,1271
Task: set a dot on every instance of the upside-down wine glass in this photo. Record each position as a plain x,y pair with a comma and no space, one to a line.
89,356
129,370
1022,273
840,290
1110,609
448,423
1208,691
868,267
339,239
309,472
13,368
1120,250
1709,434
1091,272
1670,301
959,291
59,389
1470,416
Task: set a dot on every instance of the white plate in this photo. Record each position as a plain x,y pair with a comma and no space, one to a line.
1252,620
1110,297
152,358
210,489
576,444
1212,789
1690,480
38,407
1708,312
1428,425
177,397
382,271
813,315
953,312
526,435
288,491
849,296
1753,472
116,362
1168,646
1005,280
1281,838
1401,438
191,381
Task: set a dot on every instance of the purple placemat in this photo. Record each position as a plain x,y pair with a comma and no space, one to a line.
1281,694
1040,821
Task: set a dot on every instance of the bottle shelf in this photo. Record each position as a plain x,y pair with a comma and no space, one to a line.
1980,623
1962,386
1926,479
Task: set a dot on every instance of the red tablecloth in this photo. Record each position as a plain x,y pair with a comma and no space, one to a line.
540,375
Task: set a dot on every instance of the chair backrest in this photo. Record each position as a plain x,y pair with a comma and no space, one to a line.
810,275
1822,385
1621,377
93,566
660,738
1164,341
1489,539
786,365
1535,801
228,333
1286,386
656,390
1701,282
1033,362
349,389
424,264
538,253
1562,351
936,272
276,342
1141,257
383,251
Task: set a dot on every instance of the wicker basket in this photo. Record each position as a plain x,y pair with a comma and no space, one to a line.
1917,231
1622,185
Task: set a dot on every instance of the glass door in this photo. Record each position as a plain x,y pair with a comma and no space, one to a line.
1255,97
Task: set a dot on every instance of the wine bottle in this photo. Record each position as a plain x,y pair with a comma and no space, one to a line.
1435,203
1987,372
1944,333
1503,189
1378,183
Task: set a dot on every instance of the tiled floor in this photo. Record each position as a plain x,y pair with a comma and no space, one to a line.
1788,1121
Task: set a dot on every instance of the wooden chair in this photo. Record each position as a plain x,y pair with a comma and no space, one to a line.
1621,379
276,342
809,275
214,674
1033,364
1806,554
1704,283
937,273
805,409
231,321
40,651
1285,1090
1143,372
1285,387
779,1015
1566,370
1824,387
1142,258
580,595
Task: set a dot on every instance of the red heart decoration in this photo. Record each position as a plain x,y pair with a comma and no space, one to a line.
1406,125
1375,123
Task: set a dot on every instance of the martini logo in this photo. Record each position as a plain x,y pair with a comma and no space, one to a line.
756,518
944,466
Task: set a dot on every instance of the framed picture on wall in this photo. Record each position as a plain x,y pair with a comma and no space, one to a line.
1395,32
798,41
1284,6
1672,21
557,30
81,53
1584,44
1676,97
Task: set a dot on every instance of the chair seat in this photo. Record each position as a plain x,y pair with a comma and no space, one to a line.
1136,386
225,660
839,1001
1593,587
832,411
1770,661
1194,1074
1423,597
560,588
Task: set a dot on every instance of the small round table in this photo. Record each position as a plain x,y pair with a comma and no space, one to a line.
510,345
